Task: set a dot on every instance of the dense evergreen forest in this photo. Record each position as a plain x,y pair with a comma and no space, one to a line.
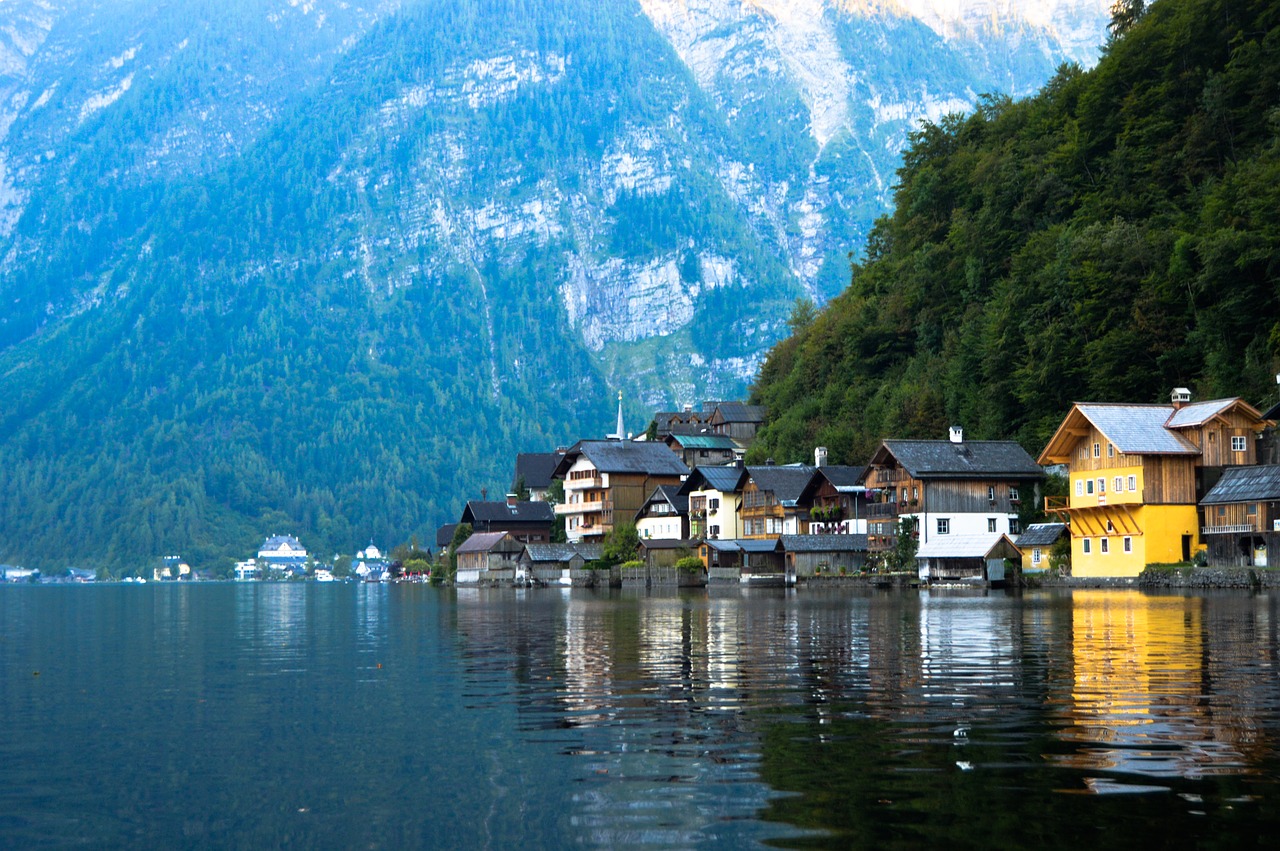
1106,240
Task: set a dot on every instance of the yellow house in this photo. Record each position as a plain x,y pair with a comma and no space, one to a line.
1136,472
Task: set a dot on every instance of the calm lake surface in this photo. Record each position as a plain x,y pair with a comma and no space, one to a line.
357,716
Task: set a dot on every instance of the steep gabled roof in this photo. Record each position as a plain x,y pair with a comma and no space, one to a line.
482,512
669,494
786,483
536,468
1041,535
844,479
624,456
994,545
1132,429
550,552
1245,484
943,459
727,479
481,542
740,412
1199,413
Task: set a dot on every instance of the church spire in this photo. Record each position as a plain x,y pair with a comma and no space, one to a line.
621,433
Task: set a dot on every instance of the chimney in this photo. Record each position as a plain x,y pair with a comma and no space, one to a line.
768,462
957,434
484,494
1179,397
820,456
511,500
688,407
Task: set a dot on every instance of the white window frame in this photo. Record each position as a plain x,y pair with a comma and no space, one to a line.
1102,484
944,525
1104,546
1088,487
1079,487
991,524
1238,443
1118,485
1097,450
1085,546
1133,482
1035,555
1128,544
1111,450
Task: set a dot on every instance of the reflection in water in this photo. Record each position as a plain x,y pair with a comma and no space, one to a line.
1138,705
407,716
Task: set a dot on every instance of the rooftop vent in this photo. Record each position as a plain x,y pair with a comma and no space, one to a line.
1180,396
820,456
957,434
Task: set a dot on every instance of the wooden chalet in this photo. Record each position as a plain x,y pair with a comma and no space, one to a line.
949,487
607,481
1136,474
771,505
1242,517
528,522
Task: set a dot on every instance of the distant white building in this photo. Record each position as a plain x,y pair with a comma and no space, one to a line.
283,552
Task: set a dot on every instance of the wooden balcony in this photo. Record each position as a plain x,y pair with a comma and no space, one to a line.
1229,530
882,510
1057,504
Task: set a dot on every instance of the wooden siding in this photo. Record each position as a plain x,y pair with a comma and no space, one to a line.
1082,458
970,497
1168,480
1236,516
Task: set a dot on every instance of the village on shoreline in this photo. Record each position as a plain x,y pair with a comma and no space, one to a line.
1121,491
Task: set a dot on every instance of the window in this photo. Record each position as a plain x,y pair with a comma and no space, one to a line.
1079,487
1128,545
1118,484
1251,510
1015,528
1088,486
1035,556
1237,443
991,524
713,531
713,504
1084,546
991,493
1097,450
944,526
915,493
1110,528
1102,485
904,494
1133,483
1111,451
1103,545
1013,493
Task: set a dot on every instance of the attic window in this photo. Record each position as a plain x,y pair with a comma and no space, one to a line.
1111,450
1097,450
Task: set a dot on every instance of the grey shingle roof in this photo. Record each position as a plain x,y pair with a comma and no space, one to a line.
536,467
1197,413
1245,484
958,546
1041,535
482,512
550,552
738,412
824,543
925,459
724,479
625,456
786,483
670,494
1138,429
842,478
481,542
590,552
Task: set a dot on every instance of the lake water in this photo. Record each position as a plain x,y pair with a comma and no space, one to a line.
358,716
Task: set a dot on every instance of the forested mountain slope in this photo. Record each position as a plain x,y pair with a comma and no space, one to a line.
1106,240
324,267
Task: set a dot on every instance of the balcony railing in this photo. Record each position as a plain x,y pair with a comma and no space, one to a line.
1056,503
880,510
582,507
1228,530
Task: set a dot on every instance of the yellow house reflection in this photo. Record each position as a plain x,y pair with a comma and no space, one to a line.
1137,700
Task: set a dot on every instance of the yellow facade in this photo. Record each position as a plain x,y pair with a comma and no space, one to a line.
1123,543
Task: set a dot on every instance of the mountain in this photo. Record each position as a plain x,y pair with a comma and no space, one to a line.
323,267
1107,240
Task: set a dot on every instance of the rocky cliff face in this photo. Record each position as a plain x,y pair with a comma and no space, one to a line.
348,218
